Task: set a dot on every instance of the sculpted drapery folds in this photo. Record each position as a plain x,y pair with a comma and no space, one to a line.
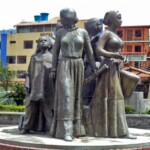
40,89
69,73
108,110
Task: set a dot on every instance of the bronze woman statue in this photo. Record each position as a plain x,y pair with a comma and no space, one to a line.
108,109
94,29
69,73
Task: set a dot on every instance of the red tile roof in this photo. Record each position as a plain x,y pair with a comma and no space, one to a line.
144,75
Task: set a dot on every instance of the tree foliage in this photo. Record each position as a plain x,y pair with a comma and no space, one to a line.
17,94
6,76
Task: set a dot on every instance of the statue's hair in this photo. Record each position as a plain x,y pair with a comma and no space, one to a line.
109,16
91,23
69,13
58,25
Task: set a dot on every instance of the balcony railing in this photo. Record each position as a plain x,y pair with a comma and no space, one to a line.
137,41
134,53
143,65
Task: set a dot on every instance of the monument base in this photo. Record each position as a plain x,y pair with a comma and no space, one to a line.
10,138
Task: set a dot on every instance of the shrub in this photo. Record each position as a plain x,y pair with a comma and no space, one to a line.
146,112
129,110
11,108
17,94
6,76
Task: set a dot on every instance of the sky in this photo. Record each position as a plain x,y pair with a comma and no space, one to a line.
134,12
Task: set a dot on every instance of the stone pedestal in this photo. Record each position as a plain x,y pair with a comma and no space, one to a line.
11,139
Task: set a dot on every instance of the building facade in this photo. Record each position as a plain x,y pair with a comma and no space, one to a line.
137,50
3,44
137,45
22,44
17,47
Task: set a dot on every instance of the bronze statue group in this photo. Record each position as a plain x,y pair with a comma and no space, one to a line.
67,95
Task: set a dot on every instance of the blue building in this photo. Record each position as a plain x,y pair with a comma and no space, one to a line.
3,44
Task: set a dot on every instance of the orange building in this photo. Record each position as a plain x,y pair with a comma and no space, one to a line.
137,50
137,45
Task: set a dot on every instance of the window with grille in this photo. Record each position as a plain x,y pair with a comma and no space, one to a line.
129,35
47,28
11,59
21,59
129,48
138,33
137,48
28,44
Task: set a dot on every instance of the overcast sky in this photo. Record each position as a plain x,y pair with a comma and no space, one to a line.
134,12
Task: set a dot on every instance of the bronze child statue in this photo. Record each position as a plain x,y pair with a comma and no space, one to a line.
40,89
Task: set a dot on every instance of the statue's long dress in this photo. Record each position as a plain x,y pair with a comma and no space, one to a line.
68,96
108,109
69,82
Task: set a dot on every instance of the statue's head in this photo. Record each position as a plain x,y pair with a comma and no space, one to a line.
45,42
93,26
58,25
68,17
111,17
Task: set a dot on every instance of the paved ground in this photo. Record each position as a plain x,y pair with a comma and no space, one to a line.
11,135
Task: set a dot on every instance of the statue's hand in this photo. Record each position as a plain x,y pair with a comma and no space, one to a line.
126,61
97,65
118,56
95,71
52,75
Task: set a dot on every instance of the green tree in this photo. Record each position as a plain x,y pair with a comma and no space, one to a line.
6,76
17,94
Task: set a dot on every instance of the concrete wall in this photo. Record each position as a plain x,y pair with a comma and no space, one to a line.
133,120
10,118
137,102
138,121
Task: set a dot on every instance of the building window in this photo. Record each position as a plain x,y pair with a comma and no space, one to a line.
48,28
11,59
129,48
138,33
28,44
23,29
32,29
40,29
21,59
53,28
120,33
37,29
137,64
12,42
137,48
129,35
